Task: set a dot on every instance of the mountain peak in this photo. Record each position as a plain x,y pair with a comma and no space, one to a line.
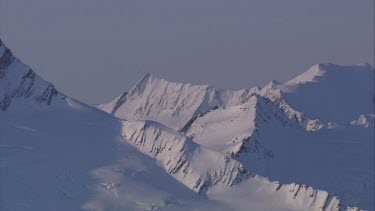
5,55
148,76
141,85
317,71
343,92
336,67
274,84
17,80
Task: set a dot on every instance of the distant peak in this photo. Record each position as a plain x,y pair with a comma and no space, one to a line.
142,83
147,76
2,47
324,70
258,101
336,67
330,67
273,84
150,78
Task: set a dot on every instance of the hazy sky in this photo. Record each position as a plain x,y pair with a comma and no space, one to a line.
94,50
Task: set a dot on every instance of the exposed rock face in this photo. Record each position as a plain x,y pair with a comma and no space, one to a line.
195,166
364,120
18,81
202,170
217,141
235,129
274,94
261,127
312,198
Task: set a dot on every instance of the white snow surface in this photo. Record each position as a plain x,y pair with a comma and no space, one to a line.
316,129
332,92
261,136
19,81
195,166
77,159
179,147
173,104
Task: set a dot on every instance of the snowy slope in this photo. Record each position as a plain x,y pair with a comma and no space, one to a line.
339,160
227,129
316,129
195,166
224,179
57,153
173,104
332,92
19,81
72,157
266,141
325,92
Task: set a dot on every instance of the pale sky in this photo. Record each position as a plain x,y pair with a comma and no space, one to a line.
94,50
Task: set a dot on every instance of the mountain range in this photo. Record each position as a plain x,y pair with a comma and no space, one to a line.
307,144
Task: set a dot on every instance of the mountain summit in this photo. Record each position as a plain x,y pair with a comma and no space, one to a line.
20,81
175,146
332,92
268,130
173,104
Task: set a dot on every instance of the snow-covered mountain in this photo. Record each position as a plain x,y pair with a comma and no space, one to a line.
19,81
332,92
173,104
176,147
316,128
197,167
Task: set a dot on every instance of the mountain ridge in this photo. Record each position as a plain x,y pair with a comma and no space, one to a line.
30,85
227,127
78,157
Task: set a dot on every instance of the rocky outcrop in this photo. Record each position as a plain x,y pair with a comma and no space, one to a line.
195,166
18,81
271,92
